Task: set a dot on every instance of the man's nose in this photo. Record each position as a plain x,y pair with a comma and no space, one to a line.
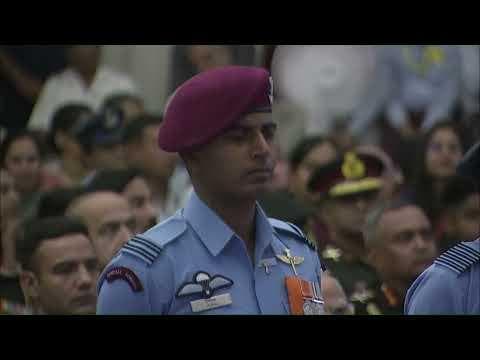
261,146
85,277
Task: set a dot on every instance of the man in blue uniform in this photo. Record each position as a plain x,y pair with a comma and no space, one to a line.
220,254
452,284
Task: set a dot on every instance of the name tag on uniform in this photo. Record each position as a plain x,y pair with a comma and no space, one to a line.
211,303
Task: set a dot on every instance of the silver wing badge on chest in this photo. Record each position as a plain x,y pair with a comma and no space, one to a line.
204,284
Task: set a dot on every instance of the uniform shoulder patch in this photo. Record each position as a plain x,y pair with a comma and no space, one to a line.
123,273
292,229
459,258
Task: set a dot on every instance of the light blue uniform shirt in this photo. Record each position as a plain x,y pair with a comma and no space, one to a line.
450,286
169,256
400,85
435,90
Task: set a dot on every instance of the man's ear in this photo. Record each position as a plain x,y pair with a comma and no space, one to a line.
29,285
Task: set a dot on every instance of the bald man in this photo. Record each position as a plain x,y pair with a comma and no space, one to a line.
109,220
336,302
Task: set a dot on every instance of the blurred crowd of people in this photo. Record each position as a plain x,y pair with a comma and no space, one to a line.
369,138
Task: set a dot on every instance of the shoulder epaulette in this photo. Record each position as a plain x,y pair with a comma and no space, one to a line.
292,229
149,245
142,248
459,258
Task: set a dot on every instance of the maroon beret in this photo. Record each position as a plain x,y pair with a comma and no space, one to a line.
209,103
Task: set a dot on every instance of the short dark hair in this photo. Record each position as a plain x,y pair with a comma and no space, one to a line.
457,190
301,150
104,128
133,132
55,202
38,230
66,118
113,180
14,136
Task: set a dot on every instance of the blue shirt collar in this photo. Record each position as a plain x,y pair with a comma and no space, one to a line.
211,229
265,234
215,234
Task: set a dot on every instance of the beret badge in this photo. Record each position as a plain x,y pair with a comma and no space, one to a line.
353,168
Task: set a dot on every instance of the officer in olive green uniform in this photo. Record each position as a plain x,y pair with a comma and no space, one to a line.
345,190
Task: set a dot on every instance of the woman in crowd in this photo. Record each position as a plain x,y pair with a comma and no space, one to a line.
439,154
69,158
22,156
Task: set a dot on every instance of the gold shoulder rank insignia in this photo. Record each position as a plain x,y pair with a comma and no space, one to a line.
361,294
332,253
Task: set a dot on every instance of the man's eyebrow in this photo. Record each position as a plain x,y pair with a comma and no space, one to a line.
63,264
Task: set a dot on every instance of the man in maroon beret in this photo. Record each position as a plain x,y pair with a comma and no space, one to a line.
345,190
220,254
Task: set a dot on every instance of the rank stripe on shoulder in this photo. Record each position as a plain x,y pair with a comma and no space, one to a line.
155,248
459,258
463,253
450,265
469,250
138,252
133,246
143,249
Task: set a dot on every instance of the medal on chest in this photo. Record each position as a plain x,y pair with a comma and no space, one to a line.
303,296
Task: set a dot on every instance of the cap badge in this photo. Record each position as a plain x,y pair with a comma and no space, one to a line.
353,168
111,120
